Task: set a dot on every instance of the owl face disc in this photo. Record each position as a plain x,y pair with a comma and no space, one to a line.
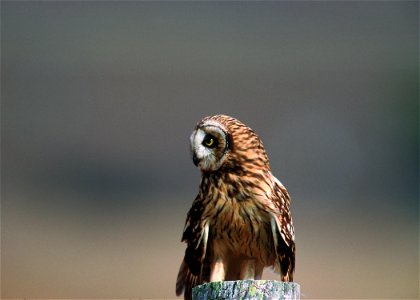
209,145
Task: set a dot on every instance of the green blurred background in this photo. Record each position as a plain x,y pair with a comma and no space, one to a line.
99,100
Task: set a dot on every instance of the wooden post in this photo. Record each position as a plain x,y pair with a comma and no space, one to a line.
247,290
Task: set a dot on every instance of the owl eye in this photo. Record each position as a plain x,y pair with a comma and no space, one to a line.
210,141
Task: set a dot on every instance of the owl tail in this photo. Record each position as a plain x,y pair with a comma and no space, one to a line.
186,281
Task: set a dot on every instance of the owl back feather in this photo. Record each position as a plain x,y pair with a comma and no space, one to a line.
186,281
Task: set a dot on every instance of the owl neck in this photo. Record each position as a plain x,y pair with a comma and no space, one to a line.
238,182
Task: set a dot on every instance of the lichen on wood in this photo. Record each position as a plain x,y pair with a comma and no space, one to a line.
247,290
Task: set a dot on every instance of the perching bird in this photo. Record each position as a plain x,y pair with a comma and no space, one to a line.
240,221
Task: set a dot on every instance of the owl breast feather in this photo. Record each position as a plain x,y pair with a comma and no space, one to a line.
242,227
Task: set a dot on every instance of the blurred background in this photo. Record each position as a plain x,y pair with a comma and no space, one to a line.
99,100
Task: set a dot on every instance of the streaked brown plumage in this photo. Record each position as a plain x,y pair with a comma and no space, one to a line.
240,221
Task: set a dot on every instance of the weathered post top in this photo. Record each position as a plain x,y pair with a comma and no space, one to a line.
247,290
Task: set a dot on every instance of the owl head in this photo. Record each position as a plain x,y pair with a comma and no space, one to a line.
221,140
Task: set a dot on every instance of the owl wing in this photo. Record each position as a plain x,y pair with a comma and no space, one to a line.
195,235
283,231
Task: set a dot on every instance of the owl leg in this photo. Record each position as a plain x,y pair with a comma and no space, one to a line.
217,270
258,271
250,269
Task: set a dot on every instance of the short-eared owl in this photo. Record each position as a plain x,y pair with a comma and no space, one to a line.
240,221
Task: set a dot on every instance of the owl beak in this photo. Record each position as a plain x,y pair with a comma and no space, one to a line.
196,160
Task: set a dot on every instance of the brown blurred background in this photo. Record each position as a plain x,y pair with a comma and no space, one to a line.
99,100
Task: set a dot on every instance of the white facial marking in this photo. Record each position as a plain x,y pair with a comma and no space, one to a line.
207,156
204,154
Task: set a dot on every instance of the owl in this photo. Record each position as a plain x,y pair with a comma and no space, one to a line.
240,222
